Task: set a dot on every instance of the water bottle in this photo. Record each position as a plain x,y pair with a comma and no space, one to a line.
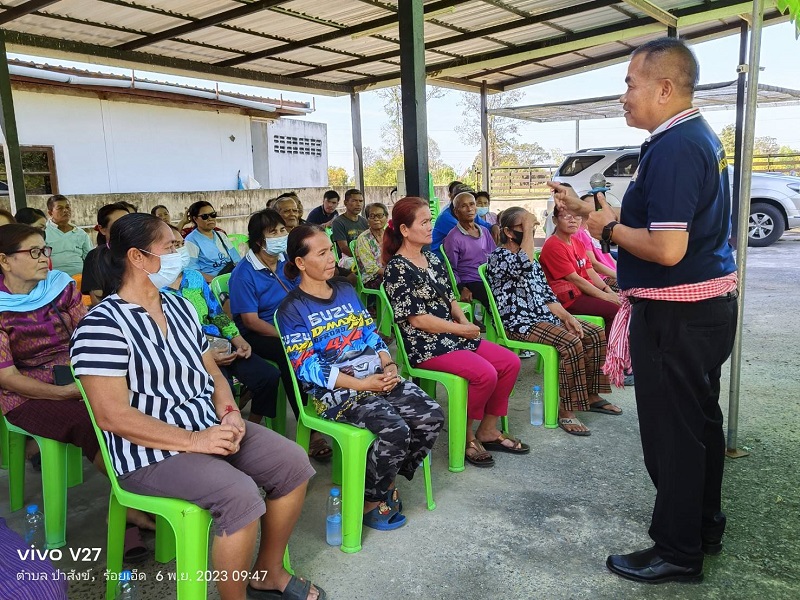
34,528
126,588
537,409
333,533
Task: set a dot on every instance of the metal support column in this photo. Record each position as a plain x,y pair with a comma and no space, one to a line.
8,122
485,159
744,216
737,139
358,147
412,84
577,134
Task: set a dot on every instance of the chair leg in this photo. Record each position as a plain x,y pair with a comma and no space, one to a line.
504,424
457,424
16,470
191,556
3,444
165,540
279,422
115,546
74,466
337,464
426,470
353,475
287,563
551,391
54,491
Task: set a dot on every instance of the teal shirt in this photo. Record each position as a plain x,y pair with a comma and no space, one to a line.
69,249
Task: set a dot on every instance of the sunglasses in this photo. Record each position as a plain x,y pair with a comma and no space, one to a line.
35,252
207,216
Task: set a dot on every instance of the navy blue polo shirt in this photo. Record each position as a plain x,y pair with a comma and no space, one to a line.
681,185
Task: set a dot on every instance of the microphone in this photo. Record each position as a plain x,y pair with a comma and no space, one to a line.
599,184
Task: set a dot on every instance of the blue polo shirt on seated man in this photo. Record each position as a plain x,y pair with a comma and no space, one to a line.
69,248
254,288
681,185
444,225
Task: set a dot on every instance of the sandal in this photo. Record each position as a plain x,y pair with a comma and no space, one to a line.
562,422
479,457
497,445
319,450
135,551
296,589
393,500
599,407
384,518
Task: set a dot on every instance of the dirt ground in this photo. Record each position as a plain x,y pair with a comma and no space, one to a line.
541,526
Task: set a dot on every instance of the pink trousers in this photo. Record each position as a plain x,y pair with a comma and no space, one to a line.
491,372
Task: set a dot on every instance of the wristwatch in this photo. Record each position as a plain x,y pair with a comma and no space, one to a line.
608,231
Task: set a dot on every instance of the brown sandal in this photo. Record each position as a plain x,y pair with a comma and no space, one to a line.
319,450
516,447
479,457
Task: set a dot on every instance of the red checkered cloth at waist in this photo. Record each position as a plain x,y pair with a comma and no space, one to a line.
618,357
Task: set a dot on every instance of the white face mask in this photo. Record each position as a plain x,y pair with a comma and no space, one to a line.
482,211
185,258
171,267
276,245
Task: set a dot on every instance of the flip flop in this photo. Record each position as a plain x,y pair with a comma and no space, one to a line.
135,551
319,450
497,445
481,458
384,518
296,589
563,421
598,408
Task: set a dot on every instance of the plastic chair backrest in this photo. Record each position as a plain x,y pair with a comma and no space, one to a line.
237,239
453,281
499,328
219,287
334,245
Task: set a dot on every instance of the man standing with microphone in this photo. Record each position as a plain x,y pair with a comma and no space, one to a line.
679,289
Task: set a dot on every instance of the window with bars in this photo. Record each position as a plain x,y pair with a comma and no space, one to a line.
38,169
288,144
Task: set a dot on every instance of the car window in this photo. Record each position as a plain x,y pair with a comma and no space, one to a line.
624,166
575,164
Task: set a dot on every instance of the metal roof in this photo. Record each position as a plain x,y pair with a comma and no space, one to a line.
709,96
342,46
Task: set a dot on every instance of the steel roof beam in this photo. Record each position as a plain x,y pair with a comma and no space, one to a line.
209,21
23,9
650,9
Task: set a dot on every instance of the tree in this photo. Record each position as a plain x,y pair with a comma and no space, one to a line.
392,132
338,177
761,145
503,132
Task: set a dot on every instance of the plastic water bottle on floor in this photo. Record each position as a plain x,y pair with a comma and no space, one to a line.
333,532
34,528
537,409
126,588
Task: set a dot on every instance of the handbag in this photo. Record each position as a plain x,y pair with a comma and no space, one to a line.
565,292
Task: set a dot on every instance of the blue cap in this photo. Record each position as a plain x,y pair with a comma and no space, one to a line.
32,509
537,388
335,491
125,576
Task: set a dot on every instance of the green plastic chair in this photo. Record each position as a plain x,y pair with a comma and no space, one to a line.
455,386
467,307
62,468
182,530
219,287
548,354
349,464
3,445
239,239
384,322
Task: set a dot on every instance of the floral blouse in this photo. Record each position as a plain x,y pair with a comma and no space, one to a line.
411,292
520,290
368,254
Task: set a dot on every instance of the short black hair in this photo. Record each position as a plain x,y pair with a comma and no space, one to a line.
330,195
687,70
352,192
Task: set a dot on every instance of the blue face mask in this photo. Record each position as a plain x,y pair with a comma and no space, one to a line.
171,267
185,258
276,245
482,211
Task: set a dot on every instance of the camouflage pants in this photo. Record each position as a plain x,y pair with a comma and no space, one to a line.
407,423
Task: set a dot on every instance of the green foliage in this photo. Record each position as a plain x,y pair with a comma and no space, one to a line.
793,6
339,177
761,145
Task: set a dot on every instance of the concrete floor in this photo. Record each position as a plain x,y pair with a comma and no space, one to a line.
541,526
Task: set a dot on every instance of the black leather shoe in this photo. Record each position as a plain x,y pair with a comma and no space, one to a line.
646,566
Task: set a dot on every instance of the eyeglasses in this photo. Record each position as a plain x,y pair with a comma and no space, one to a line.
35,252
207,216
380,216
567,217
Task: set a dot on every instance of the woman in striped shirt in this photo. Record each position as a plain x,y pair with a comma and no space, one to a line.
169,418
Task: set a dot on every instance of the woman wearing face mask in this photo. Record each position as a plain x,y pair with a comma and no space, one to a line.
482,200
231,352
257,286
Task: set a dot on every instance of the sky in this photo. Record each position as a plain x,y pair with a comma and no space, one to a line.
718,60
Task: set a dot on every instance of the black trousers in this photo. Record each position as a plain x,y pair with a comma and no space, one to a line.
271,348
677,352
261,378
478,292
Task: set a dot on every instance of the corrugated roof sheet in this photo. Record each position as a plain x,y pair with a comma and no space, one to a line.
340,46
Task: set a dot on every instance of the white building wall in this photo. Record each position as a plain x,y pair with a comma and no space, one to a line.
118,147
291,169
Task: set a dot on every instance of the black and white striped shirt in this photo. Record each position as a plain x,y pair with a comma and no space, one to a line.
166,376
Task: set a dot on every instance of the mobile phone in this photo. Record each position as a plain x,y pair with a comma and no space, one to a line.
62,375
